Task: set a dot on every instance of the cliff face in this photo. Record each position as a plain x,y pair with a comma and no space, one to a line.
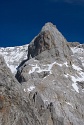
51,84
16,107
55,73
51,42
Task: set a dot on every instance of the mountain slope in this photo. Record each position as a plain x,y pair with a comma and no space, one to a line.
14,55
15,106
78,51
54,71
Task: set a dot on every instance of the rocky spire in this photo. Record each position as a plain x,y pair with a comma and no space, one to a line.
52,41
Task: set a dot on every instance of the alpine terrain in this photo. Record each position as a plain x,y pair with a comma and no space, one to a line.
42,83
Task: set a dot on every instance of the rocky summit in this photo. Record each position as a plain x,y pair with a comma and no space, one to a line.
48,86
49,43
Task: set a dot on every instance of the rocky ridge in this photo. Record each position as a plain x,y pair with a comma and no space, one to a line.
19,108
13,104
56,73
15,55
53,79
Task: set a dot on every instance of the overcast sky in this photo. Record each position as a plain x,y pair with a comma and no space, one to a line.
21,20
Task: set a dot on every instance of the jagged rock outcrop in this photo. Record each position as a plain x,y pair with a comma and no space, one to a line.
49,45
51,88
16,107
53,71
73,44
49,39
42,42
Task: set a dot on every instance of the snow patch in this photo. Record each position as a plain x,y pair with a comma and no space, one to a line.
24,90
66,75
76,67
75,79
36,68
79,53
74,85
66,64
69,104
59,64
31,88
48,67
77,50
45,77
82,90
13,68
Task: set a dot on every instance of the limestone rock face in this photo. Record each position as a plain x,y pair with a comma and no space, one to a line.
16,107
49,39
50,90
42,42
57,74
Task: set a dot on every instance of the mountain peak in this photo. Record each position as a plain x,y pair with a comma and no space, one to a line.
51,77
49,42
49,24
52,28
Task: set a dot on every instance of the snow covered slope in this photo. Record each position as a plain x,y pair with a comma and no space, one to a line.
14,55
79,52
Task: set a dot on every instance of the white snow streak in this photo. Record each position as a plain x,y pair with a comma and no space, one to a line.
74,85
69,104
39,70
31,88
76,78
76,67
47,67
